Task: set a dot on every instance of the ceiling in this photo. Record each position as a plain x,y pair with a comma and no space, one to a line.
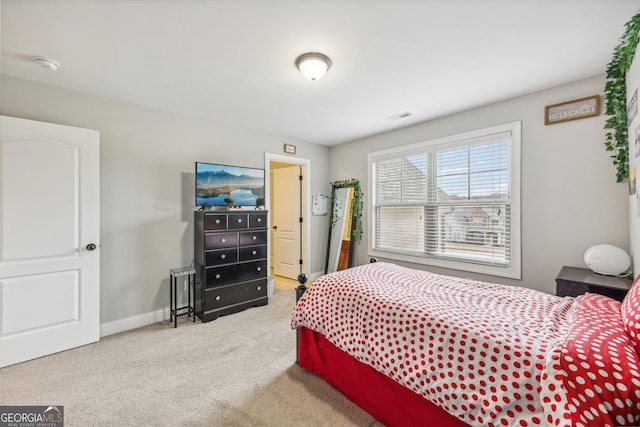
232,61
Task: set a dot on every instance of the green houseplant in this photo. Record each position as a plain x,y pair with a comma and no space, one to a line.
615,95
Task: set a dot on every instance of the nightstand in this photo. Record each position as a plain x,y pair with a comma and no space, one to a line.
574,281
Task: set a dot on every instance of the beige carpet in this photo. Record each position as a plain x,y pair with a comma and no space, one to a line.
238,370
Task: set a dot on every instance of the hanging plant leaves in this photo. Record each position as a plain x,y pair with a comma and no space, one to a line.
615,96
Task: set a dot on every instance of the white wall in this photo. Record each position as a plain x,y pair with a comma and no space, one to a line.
147,187
570,200
633,84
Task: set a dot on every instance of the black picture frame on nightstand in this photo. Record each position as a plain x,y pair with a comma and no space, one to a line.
574,281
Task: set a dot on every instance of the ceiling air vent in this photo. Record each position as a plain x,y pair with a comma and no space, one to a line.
399,116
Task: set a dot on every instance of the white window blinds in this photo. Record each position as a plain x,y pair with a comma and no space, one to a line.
449,200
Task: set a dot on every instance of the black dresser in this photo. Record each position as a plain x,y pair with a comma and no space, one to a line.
230,249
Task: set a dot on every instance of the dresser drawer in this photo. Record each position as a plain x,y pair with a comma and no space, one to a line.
250,253
575,281
219,257
566,288
221,240
248,238
570,289
258,220
238,221
218,276
215,222
234,294
252,270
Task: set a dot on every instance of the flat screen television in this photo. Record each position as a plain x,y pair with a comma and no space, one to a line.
225,185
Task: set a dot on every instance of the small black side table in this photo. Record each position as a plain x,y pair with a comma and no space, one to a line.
174,310
574,281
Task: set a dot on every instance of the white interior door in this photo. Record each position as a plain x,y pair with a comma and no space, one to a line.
286,219
49,238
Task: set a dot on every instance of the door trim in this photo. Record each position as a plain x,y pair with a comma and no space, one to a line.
306,203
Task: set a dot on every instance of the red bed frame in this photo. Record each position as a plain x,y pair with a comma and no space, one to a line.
386,400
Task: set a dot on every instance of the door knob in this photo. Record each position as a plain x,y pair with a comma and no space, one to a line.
91,247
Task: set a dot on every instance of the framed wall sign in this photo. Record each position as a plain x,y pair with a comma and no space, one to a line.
290,149
572,110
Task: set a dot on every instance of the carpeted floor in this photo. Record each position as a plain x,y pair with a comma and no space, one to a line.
238,370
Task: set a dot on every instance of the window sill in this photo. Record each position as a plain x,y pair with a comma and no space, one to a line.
512,273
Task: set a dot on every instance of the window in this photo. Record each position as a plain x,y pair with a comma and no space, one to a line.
453,202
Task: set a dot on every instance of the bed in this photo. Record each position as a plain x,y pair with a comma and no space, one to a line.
416,348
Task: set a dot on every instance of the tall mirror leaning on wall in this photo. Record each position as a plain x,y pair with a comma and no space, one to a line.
345,226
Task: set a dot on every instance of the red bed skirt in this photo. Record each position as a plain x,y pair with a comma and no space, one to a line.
386,400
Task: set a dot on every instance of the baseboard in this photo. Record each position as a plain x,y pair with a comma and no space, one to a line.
121,325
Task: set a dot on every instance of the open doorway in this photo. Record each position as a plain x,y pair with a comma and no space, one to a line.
288,193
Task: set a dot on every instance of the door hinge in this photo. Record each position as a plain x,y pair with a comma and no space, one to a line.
300,262
300,219
300,177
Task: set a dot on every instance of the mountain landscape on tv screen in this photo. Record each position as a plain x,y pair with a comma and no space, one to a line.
223,177
220,187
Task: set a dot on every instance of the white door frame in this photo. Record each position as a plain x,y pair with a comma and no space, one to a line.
286,204
306,203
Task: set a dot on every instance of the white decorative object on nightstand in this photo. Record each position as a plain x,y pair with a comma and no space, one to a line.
607,259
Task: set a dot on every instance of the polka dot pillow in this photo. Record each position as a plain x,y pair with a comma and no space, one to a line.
601,366
630,312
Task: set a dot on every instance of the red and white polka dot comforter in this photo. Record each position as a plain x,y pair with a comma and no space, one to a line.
489,354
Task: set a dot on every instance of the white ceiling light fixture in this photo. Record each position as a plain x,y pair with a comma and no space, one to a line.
313,65
47,63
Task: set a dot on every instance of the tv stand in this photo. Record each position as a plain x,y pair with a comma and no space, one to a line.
230,248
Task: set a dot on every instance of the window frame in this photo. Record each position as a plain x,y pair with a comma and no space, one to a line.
514,269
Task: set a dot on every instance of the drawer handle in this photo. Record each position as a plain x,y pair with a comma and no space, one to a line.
259,269
223,240
253,252
217,276
253,237
223,256
217,221
259,287
259,219
239,220
217,297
